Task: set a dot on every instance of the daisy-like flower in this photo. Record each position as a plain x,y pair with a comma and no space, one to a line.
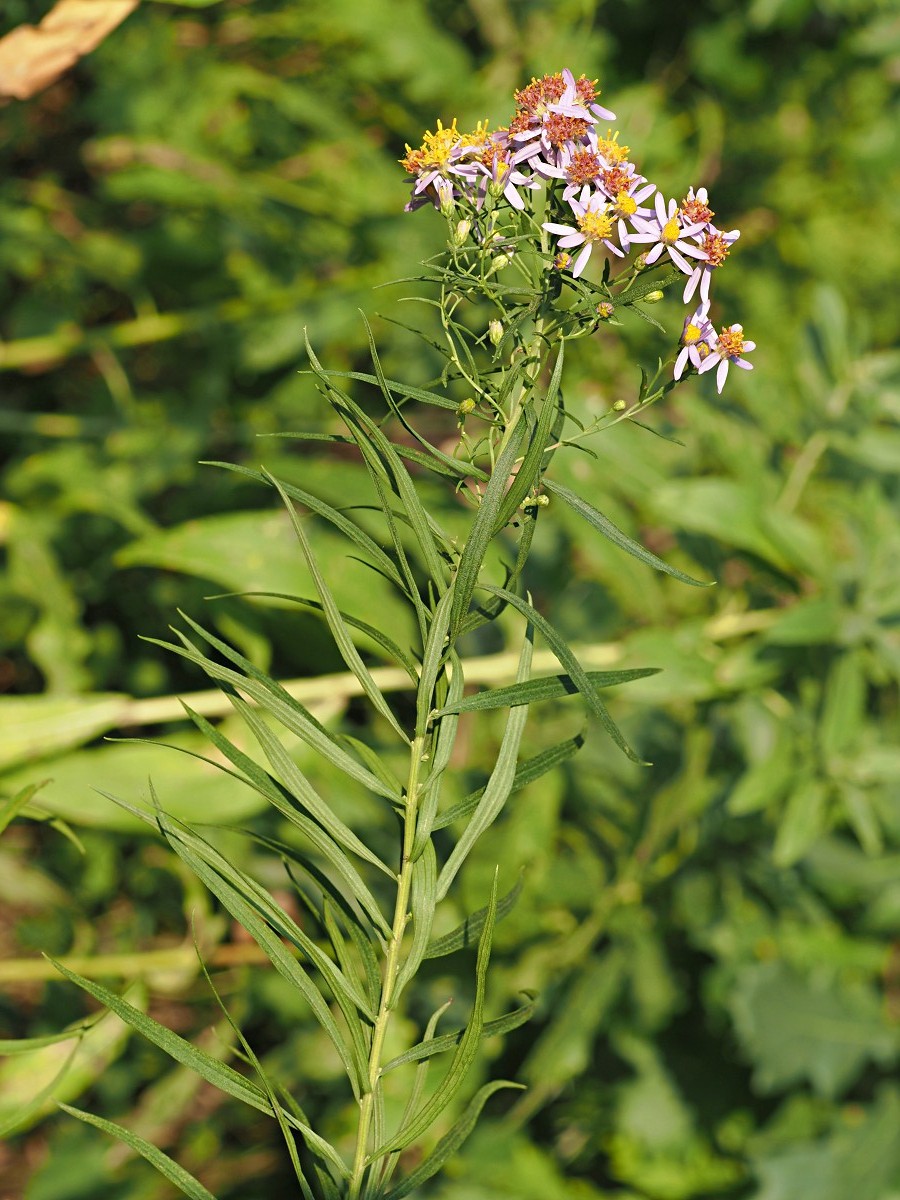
715,245
438,163
728,347
695,208
626,191
696,338
495,169
595,224
557,112
667,231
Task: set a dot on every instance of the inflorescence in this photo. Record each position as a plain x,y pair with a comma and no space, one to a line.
555,140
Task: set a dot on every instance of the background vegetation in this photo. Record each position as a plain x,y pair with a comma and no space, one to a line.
714,939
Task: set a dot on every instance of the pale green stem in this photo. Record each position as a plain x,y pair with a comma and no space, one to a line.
391,969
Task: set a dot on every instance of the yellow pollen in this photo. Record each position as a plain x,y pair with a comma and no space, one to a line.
625,204
691,335
610,149
434,153
595,225
478,139
671,231
730,343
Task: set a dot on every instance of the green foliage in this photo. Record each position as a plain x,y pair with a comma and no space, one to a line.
710,938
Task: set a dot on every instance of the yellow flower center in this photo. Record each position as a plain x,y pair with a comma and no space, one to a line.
730,343
434,153
691,335
595,225
610,149
671,231
625,204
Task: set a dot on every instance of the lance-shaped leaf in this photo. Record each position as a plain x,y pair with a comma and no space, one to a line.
168,1167
491,609
371,440
11,808
499,786
433,659
551,687
568,660
416,1125
596,518
219,1074
349,528
275,700
468,933
450,1142
321,838
443,742
404,390
428,1047
482,530
531,466
339,631
236,900
528,772
424,900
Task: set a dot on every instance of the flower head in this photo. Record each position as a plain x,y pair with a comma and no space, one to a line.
695,208
667,230
728,347
697,336
594,225
715,245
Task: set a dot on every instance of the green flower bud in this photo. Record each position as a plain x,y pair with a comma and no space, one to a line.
619,406
605,310
495,332
467,406
653,297
461,232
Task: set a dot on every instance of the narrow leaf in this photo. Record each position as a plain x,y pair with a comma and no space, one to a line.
469,931
568,660
552,687
185,1182
430,1046
451,1142
339,631
499,786
596,518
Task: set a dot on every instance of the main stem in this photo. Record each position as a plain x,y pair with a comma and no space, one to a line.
391,969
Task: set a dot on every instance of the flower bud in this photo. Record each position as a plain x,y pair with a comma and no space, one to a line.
619,406
641,261
605,310
461,232
467,406
501,261
653,297
448,204
495,332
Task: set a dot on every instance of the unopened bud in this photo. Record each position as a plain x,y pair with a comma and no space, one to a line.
466,406
542,501
619,406
448,205
605,310
461,232
641,261
501,261
653,297
495,332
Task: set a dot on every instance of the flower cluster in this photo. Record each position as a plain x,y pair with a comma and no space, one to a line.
597,200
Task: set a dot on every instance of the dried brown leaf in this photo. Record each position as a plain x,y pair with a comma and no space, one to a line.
33,56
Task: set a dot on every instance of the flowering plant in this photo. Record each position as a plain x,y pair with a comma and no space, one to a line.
508,304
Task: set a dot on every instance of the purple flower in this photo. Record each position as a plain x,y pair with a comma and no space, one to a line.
715,246
668,232
728,347
595,224
696,338
556,113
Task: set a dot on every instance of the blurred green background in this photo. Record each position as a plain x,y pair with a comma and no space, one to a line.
715,939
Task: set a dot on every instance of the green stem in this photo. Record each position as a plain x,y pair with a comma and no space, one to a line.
391,970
